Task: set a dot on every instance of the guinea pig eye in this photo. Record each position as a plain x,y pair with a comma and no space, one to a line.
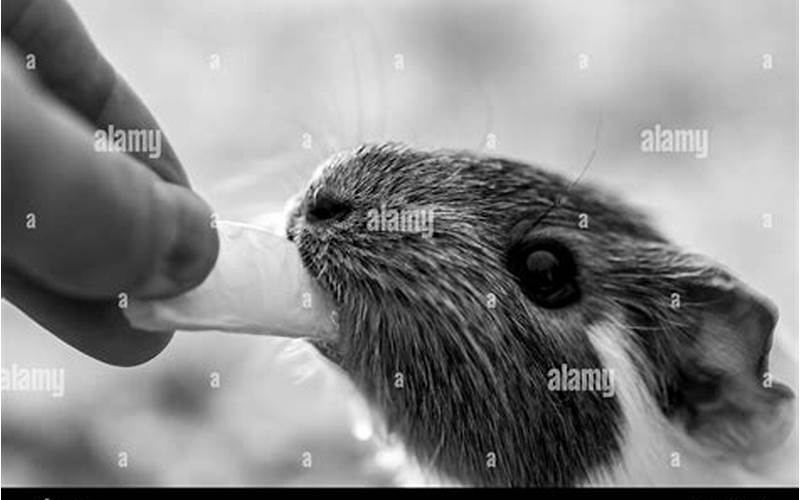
546,272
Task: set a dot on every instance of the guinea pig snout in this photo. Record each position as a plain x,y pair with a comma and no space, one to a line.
324,207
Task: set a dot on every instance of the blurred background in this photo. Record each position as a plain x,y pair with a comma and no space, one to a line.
253,94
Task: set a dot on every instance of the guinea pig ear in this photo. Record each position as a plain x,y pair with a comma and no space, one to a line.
725,393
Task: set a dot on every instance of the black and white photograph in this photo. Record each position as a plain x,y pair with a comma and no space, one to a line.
407,244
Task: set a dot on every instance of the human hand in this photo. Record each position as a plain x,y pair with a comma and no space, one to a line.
83,229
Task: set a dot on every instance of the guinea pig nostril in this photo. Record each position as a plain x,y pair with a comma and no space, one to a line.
323,208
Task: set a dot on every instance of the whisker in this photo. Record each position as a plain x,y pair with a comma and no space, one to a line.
560,198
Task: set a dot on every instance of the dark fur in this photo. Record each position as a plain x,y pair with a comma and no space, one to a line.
475,377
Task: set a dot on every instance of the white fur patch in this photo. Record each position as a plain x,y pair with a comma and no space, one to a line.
654,451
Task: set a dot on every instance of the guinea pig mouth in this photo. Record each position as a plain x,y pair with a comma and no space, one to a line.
327,336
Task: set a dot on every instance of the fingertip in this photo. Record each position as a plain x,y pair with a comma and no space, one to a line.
186,243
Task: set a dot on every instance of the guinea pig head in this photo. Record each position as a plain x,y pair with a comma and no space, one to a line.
508,325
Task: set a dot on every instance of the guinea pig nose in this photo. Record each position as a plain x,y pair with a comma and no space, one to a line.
325,207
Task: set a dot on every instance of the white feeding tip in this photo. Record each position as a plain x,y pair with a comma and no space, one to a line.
258,286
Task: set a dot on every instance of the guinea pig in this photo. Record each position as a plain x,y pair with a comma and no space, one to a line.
514,329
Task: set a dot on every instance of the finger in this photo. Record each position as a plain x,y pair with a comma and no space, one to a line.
88,224
71,67
97,329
